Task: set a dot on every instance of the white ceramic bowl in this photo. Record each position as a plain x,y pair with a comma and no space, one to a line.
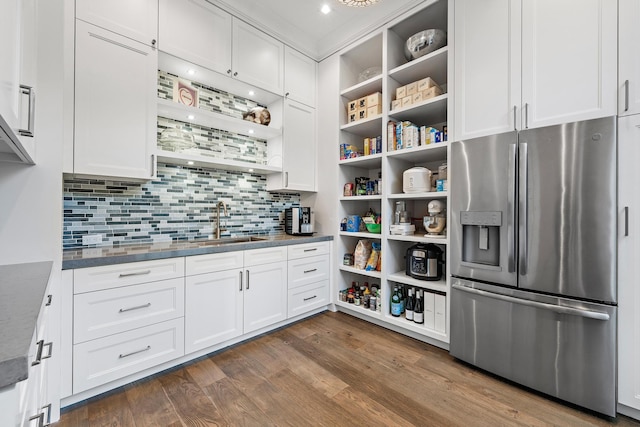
424,42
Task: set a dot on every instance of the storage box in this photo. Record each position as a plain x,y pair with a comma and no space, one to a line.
374,99
401,92
353,117
362,114
362,103
352,107
406,101
374,111
431,92
425,84
395,104
417,98
412,88
429,310
440,321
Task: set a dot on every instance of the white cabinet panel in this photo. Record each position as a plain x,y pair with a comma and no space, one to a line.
265,295
115,104
628,267
135,19
106,359
308,249
210,263
308,270
214,307
306,298
299,77
102,313
258,59
629,60
196,31
265,255
568,60
10,64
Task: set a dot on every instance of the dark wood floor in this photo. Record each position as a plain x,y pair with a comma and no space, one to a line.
331,370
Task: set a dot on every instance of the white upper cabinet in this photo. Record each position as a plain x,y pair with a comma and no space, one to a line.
487,67
10,63
299,77
629,60
134,19
196,31
539,63
569,57
115,104
258,59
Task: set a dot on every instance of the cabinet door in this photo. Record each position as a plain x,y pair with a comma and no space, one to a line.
569,57
628,268
196,31
487,74
115,105
265,295
213,310
299,77
10,63
28,74
258,59
629,61
135,19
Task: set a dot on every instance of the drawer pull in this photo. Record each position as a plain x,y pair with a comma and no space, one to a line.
137,307
311,250
310,271
49,345
310,298
38,358
39,417
147,348
49,299
135,273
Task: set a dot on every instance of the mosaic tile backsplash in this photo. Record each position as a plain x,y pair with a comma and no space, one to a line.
178,205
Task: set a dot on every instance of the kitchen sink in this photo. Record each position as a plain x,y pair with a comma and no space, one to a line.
230,240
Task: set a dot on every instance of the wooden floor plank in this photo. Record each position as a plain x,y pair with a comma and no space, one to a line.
151,405
112,410
205,372
235,405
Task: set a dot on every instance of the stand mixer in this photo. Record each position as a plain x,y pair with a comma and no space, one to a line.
436,221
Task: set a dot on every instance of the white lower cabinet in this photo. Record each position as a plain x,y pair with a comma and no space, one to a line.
308,277
265,295
308,297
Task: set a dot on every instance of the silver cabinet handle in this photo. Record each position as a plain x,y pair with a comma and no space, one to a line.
39,417
240,281
310,250
147,348
153,166
523,232
136,273
229,71
514,118
286,179
526,116
286,94
153,42
310,298
137,307
247,279
626,95
511,207
31,93
49,346
39,357
310,271
589,314
626,221
235,74
49,300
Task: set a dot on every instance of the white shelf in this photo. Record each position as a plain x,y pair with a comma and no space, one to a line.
374,274
433,65
359,309
373,161
431,111
414,196
209,119
436,285
367,87
415,327
363,235
369,127
214,163
360,198
419,238
422,153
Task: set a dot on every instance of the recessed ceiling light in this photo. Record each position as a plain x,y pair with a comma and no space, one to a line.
251,93
250,170
325,9
358,3
189,162
191,71
191,117
251,131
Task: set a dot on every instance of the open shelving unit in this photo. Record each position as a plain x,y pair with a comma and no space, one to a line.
385,49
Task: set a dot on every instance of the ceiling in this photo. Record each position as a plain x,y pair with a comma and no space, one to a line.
301,25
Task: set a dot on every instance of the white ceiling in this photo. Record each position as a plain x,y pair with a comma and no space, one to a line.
301,25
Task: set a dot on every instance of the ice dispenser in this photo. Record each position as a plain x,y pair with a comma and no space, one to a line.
481,238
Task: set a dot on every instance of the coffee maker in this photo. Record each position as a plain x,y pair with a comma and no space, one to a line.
297,221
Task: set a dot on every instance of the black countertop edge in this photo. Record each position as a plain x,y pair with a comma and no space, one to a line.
95,257
22,290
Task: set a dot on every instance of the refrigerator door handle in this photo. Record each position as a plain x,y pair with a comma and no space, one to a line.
511,209
626,221
589,314
522,208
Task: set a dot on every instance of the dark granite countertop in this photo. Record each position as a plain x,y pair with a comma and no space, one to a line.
109,255
22,288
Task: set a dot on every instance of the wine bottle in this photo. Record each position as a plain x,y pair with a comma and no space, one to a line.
408,312
418,309
396,302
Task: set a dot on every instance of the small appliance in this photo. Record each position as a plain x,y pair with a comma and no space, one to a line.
436,221
424,262
297,221
416,180
402,221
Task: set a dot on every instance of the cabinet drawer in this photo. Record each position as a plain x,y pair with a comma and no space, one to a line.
113,276
106,359
211,263
308,249
264,256
102,313
306,298
304,271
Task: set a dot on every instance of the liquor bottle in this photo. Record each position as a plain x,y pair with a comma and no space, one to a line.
408,312
396,302
418,309
379,298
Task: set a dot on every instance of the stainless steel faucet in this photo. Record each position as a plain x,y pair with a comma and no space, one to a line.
218,229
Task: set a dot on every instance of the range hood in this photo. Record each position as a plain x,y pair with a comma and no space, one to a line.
11,148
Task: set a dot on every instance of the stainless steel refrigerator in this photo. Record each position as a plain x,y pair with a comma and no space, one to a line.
533,259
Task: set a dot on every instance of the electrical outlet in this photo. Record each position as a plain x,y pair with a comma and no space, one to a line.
92,239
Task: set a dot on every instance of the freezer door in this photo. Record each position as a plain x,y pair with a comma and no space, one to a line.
567,207
483,203
561,347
